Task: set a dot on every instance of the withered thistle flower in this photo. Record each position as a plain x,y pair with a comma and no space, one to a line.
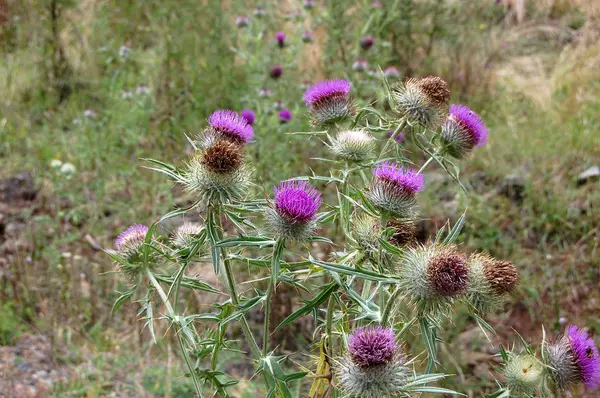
422,101
433,277
218,173
328,101
462,131
404,233
394,189
353,145
374,365
489,281
573,359
524,374
294,210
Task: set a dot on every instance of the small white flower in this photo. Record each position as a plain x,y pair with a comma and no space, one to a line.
55,163
124,51
126,95
142,89
77,122
89,113
67,169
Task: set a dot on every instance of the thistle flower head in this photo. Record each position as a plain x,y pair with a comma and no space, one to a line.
374,365
308,4
585,355
524,374
366,42
230,126
280,37
391,72
307,36
502,276
366,231
218,173
130,241
481,296
276,71
294,209
353,145
264,92
259,12
433,277
328,101
462,131
184,235
422,101
285,115
248,115
394,189
372,346
241,21
360,65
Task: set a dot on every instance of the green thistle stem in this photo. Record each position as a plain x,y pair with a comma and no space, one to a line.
275,260
329,325
392,139
387,311
176,321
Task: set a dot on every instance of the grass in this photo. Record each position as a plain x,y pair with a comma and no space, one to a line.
540,100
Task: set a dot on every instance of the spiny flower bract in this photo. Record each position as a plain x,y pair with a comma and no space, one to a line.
524,374
420,101
231,126
353,145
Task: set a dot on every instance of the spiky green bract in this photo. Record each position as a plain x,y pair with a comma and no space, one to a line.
524,375
418,103
433,277
385,380
561,365
366,232
184,236
353,145
283,228
216,187
129,253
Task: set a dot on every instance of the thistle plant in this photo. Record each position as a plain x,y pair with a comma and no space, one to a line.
379,287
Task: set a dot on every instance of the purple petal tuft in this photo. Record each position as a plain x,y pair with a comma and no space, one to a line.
406,178
231,124
586,356
248,115
372,346
326,89
297,201
471,122
136,232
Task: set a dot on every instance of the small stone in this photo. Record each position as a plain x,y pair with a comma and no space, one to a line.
591,173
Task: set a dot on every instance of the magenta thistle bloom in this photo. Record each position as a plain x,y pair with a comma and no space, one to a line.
372,346
367,42
471,122
586,356
297,201
248,115
231,126
280,37
276,71
242,21
407,179
328,101
391,72
132,236
285,115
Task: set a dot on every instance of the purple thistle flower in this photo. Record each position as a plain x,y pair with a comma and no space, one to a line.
372,346
308,4
586,356
470,122
360,65
231,125
400,138
297,201
367,42
391,72
259,12
326,89
408,179
248,115
280,37
377,4
285,115
276,71
264,92
132,235
307,36
241,21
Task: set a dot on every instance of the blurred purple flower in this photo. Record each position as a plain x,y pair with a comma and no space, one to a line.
391,72
242,21
360,65
276,71
307,36
248,115
285,116
366,42
264,92
280,37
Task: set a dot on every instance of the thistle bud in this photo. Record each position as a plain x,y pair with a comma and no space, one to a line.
328,101
433,277
276,71
573,360
218,173
462,131
285,115
373,366
294,209
524,374
307,36
184,236
259,12
489,280
391,72
308,4
366,42
394,189
230,126
404,233
353,145
422,101
366,232
280,37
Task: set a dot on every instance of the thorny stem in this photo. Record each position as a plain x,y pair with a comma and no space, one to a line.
392,139
229,281
177,323
277,250
431,159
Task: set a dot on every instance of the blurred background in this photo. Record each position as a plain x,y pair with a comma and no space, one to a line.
88,87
